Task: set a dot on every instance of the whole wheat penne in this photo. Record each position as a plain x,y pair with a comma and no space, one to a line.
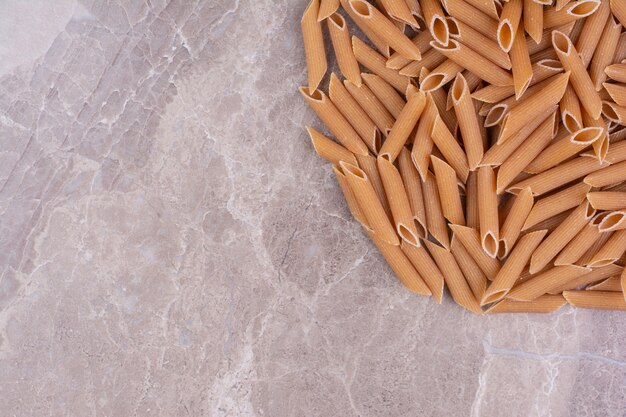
466,13
369,203
546,39
513,267
600,146
591,32
620,51
619,10
488,7
612,284
488,210
604,53
560,237
543,283
512,226
599,300
434,215
426,267
574,11
354,114
570,110
579,77
614,112
480,43
616,72
521,66
623,283
369,165
350,198
470,238
422,41
440,76
400,265
471,201
450,148
385,29
607,176
423,143
563,149
525,154
381,45
533,19
399,11
404,125
473,274
313,45
380,5
595,247
544,304
448,188
468,121
454,278
509,21
398,201
536,105
387,95
375,62
607,200
413,186
335,122
577,27
614,220
556,203
431,59
617,92
340,38
581,243
328,149
560,3
372,106
595,275
474,62
435,20
327,8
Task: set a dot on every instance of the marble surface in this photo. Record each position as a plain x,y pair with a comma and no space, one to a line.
170,245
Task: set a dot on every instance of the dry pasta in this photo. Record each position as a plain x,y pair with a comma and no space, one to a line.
313,45
599,300
372,106
388,96
340,38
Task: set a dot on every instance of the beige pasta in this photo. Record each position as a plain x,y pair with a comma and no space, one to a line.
617,93
450,148
614,220
610,175
443,74
314,49
509,21
607,200
327,8
470,238
613,112
480,43
591,32
533,20
466,13
471,201
559,3
372,106
468,121
351,201
595,275
340,38
386,94
616,72
603,55
423,143
574,11
571,115
434,214
426,267
447,185
545,282
422,41
375,62
599,300
435,20
358,20
556,203
521,65
488,7
581,243
370,166
619,10
404,125
488,210
400,11
431,59
544,304
473,274
413,187
609,284
330,150
512,225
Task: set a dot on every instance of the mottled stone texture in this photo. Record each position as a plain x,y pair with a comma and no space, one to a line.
170,245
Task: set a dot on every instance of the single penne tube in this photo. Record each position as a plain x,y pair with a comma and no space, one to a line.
614,113
581,243
470,238
623,283
617,92
474,276
522,68
560,237
400,265
413,187
379,43
466,13
422,41
488,210
583,86
620,51
447,185
536,105
314,50
530,149
435,220
591,32
600,146
454,278
513,267
509,21
595,247
340,38
426,267
351,201
376,111
385,29
618,8
398,202
329,149
431,59
604,53
391,99
570,110
480,43
616,72
327,8
544,282
614,220
375,62
450,148
556,203
468,121
574,11
354,114
423,143
440,76
565,148
334,120
610,175
595,275
474,62
607,200
399,11
533,20
369,165
471,201
488,7
404,125
598,300
610,284
435,20
512,226
544,304
370,204
449,117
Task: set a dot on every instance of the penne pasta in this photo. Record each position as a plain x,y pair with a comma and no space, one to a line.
591,32
488,7
616,72
423,143
328,149
440,76
381,45
375,62
434,215
533,20
604,53
509,22
468,121
399,11
435,20
470,238
581,243
544,304
514,221
471,201
556,203
482,44
610,175
387,95
313,45
327,8
416,11
522,68
574,11
449,196
599,300
413,187
450,149
466,13
472,272
426,267
431,59
607,200
571,115
350,198
340,38
614,220
595,275
543,283
369,165
617,92
609,284
488,210
372,106
619,10
559,4
404,125
613,112
422,41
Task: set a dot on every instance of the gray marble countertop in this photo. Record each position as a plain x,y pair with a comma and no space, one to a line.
170,244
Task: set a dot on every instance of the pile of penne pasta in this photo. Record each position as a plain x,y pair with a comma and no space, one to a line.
480,143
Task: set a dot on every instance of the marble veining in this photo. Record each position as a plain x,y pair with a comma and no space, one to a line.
170,245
